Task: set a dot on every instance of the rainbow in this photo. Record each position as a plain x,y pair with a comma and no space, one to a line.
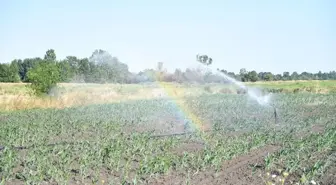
183,109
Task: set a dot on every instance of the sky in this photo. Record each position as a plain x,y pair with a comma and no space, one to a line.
261,35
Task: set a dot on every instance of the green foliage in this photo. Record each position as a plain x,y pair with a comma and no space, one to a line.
65,71
268,77
4,73
43,77
102,67
252,76
14,71
50,55
9,72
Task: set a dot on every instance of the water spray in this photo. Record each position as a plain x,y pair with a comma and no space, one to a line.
262,100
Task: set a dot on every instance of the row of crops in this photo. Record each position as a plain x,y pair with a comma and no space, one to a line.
113,143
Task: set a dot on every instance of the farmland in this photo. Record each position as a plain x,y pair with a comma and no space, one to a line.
16,96
116,134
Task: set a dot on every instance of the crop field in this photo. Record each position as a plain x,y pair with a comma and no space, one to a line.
156,140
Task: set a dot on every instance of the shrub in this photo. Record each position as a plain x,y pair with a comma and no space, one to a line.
43,77
207,88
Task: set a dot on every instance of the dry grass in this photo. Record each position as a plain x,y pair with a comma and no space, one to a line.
16,96
69,95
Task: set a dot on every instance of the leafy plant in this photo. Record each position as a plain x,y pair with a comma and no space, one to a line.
43,77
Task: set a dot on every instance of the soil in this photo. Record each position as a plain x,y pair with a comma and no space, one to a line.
235,171
316,129
190,147
246,169
329,177
319,129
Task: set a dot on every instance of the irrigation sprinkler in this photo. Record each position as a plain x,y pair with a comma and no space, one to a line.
275,115
206,60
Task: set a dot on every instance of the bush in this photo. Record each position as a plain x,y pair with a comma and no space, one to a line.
207,88
43,77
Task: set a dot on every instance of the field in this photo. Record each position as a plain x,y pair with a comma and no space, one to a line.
16,96
146,134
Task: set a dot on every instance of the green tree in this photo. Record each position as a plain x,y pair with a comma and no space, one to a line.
65,71
110,68
252,76
261,75
9,72
4,73
14,71
26,65
268,76
43,77
243,75
286,76
278,77
84,69
50,55
295,76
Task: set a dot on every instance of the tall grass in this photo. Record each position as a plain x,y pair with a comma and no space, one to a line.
17,96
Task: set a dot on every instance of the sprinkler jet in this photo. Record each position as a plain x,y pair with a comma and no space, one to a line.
206,60
275,115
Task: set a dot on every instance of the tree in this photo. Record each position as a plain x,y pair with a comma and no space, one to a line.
9,72
261,75
231,74
26,65
14,71
43,77
295,76
243,75
278,77
285,76
4,73
252,76
50,55
84,69
223,71
111,69
65,72
204,59
268,76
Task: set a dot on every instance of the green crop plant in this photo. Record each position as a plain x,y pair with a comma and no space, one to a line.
113,143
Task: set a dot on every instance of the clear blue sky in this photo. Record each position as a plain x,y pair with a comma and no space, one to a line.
262,35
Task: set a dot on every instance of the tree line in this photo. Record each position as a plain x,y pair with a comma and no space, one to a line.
101,67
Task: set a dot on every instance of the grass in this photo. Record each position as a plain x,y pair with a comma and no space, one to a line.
102,134
316,86
16,96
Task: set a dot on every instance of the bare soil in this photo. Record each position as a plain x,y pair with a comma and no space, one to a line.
248,169
330,176
189,147
316,129
235,171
